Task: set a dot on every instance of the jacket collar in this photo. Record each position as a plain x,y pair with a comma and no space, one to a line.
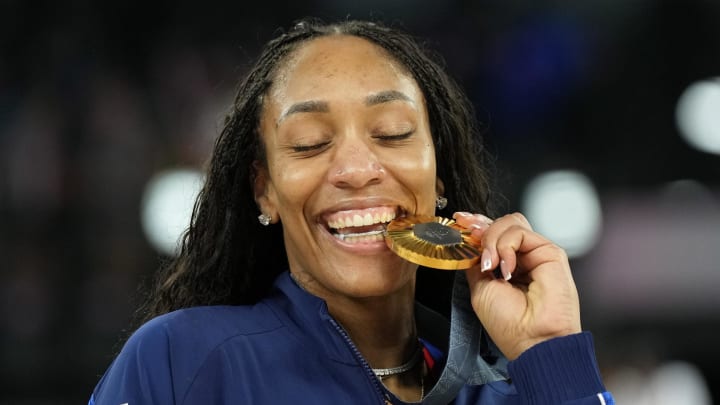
309,316
472,358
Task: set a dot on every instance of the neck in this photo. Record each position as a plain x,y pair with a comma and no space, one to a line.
382,328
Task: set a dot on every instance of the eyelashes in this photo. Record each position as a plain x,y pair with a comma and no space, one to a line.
312,149
309,148
393,138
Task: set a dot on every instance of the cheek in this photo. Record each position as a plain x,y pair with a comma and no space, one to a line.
418,169
293,185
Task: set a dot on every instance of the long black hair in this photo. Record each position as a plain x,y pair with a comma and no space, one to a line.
227,257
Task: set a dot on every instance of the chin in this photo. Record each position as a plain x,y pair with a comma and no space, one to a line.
365,282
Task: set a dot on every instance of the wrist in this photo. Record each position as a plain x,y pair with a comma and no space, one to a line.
557,369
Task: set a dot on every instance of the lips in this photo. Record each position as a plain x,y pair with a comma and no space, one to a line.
360,226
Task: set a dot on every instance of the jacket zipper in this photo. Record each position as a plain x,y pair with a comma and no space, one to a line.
368,371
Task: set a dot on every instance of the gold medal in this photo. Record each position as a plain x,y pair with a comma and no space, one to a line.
435,242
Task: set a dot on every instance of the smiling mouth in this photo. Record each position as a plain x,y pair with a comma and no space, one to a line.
361,226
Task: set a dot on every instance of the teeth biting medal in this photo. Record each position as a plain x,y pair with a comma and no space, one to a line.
435,242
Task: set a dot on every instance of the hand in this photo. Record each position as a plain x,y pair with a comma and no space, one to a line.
536,299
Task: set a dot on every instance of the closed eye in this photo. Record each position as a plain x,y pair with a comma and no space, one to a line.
309,150
396,137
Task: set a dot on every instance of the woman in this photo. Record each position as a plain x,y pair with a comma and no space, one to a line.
337,130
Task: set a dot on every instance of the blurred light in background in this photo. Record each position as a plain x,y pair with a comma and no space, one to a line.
671,383
564,206
683,191
698,115
167,205
658,255
88,108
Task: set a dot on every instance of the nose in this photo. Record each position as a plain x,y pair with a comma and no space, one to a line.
355,165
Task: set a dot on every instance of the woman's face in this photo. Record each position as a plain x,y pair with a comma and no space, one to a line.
348,148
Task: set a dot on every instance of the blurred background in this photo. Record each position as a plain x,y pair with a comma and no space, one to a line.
603,116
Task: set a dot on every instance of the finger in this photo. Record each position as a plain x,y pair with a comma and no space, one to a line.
490,257
509,236
520,249
546,263
482,283
513,219
507,247
476,223
472,221
493,299
501,225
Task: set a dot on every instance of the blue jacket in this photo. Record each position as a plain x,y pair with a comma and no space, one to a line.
287,349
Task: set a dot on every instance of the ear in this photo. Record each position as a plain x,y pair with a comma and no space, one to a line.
440,187
263,191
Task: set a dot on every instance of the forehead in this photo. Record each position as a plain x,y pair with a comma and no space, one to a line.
342,63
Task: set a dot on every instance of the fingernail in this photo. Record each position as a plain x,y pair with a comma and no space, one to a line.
486,260
463,214
505,271
478,226
483,218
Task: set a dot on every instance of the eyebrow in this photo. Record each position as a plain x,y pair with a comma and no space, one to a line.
304,107
386,97
315,106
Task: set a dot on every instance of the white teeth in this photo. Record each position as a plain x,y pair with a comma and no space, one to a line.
372,236
357,220
367,219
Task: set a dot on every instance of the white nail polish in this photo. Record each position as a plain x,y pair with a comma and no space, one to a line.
507,275
486,265
486,260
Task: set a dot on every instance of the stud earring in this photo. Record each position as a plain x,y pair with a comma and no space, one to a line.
264,219
441,202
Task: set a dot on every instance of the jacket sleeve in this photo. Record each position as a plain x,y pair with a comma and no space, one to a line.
140,374
560,371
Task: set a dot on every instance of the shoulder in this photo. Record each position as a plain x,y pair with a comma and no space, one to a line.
165,353
203,327
213,322
188,336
